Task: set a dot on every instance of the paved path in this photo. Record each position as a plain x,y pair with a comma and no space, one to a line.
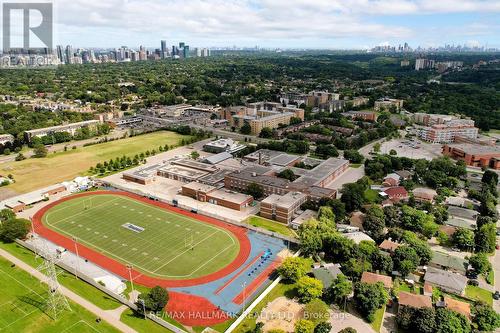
109,316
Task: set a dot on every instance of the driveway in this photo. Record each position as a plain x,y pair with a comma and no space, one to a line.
341,320
389,321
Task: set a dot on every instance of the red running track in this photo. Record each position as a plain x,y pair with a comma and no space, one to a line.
138,277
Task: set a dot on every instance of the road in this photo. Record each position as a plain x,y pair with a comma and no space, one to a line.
341,320
60,146
109,316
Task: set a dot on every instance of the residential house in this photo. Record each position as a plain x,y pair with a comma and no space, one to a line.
458,306
414,300
424,194
373,278
391,179
446,280
389,246
397,193
327,274
449,262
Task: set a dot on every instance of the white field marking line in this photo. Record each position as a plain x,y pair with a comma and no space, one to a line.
22,284
164,211
72,216
177,256
19,319
112,255
224,250
78,322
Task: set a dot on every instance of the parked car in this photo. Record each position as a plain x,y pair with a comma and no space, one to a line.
474,283
497,246
471,274
496,295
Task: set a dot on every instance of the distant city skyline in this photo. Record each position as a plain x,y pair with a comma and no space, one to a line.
321,24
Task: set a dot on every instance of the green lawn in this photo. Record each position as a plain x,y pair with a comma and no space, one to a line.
271,225
157,242
490,278
22,307
140,324
282,289
34,173
378,318
371,196
479,294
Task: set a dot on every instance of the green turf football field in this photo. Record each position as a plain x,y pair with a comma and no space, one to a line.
23,307
157,242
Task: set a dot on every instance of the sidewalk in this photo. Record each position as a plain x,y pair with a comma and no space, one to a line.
108,316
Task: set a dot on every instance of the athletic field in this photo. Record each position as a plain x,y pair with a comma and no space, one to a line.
155,241
23,309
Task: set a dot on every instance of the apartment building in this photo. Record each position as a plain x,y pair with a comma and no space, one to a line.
69,128
447,133
388,103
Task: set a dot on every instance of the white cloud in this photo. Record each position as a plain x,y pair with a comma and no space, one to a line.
254,19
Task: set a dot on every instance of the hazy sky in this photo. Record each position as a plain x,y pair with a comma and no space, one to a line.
277,23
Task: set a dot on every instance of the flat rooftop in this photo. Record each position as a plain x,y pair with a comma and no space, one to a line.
184,172
230,196
195,186
194,165
476,149
286,201
283,159
62,127
265,155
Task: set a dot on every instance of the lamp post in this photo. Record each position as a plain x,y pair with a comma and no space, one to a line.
77,256
143,308
129,268
244,297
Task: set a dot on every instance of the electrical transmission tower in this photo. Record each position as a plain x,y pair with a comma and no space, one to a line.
56,302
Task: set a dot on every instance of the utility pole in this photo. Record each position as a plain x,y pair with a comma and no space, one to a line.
77,264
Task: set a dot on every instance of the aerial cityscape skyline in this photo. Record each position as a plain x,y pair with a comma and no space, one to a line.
350,24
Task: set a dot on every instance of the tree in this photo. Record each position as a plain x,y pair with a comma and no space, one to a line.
326,151
155,300
6,214
339,290
486,318
195,155
255,190
246,128
353,156
309,288
40,151
374,222
352,196
324,327
348,330
393,152
480,263
448,321
287,174
266,132
294,268
316,311
20,157
376,147
405,260
490,178
485,238
304,326
463,239
326,215
13,229
369,298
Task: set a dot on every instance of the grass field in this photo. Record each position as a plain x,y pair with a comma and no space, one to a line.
170,245
479,294
34,173
270,225
378,318
22,305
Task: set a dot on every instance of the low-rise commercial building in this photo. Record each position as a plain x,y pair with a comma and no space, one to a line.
223,145
282,208
213,195
447,133
474,155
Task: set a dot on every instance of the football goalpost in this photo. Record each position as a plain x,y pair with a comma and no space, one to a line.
189,242
87,204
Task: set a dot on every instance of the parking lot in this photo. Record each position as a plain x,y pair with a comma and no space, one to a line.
412,148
